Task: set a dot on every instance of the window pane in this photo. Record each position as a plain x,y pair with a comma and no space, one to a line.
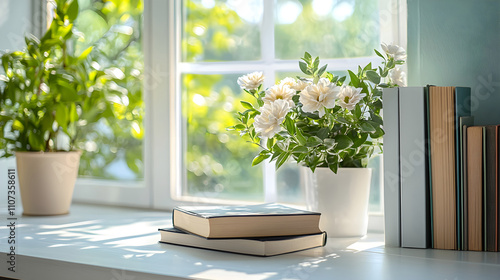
221,30
217,162
326,28
113,147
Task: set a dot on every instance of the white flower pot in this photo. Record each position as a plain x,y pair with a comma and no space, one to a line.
46,181
342,199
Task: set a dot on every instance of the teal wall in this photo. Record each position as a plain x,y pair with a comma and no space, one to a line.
457,43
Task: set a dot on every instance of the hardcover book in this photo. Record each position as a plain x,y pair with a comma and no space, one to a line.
415,219
392,183
475,176
258,246
245,221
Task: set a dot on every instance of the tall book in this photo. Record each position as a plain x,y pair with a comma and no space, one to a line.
392,186
259,246
497,179
475,177
464,122
245,220
490,194
415,219
446,106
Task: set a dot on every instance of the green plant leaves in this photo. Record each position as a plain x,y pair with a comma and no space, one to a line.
373,77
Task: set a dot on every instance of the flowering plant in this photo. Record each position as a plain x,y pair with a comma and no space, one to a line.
320,120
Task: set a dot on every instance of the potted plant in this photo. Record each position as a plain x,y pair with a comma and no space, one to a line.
329,125
44,98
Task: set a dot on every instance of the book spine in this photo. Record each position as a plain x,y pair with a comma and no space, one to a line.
475,187
490,194
391,167
462,109
415,225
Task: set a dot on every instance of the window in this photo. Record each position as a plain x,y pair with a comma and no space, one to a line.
174,91
215,42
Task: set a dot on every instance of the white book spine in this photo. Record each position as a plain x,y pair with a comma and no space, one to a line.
391,167
413,168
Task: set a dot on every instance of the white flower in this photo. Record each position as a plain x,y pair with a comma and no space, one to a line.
281,91
301,85
317,97
398,76
395,51
271,117
251,81
288,81
349,97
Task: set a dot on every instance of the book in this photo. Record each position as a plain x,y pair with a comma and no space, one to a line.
490,191
464,123
475,177
415,219
391,167
446,106
497,171
245,220
259,246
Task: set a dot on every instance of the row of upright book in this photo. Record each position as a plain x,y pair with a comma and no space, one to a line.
261,230
441,171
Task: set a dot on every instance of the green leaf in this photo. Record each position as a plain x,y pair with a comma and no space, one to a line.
323,133
300,149
290,125
302,140
313,141
239,127
73,114
72,11
358,141
329,143
282,159
373,76
247,105
303,67
322,70
357,111
85,53
307,56
270,143
379,54
62,116
35,142
258,159
343,142
377,104
354,79
366,127
17,125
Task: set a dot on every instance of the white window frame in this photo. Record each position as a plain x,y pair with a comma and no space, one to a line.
160,188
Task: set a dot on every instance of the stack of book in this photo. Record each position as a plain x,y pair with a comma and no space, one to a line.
440,171
262,230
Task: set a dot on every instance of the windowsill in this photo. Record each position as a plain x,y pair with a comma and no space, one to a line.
98,242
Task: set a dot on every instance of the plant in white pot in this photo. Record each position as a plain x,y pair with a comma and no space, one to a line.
330,127
44,98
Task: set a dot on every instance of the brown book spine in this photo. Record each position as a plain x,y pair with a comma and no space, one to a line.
475,187
442,138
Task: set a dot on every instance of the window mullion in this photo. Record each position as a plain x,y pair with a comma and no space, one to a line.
268,57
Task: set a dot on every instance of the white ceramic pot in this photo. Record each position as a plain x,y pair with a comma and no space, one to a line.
342,199
46,181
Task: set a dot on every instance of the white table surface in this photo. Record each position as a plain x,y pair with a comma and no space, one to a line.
97,242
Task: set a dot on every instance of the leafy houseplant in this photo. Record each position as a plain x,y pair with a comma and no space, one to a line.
46,95
320,120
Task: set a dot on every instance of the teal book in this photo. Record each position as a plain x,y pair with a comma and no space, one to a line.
236,221
462,109
392,183
258,246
